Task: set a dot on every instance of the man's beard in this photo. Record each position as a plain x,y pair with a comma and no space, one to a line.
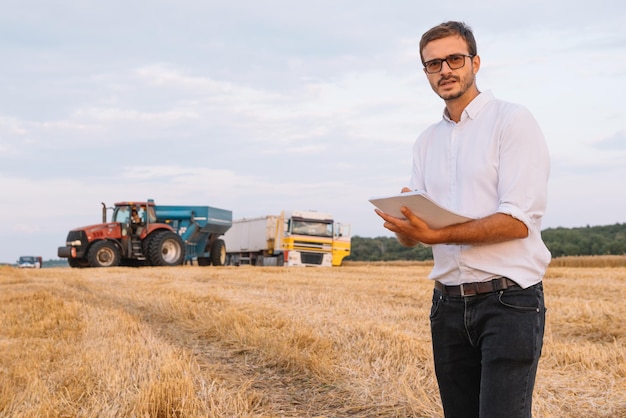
465,84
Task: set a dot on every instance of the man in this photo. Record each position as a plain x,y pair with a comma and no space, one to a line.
135,217
136,222
486,159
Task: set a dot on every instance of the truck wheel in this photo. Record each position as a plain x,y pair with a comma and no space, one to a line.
218,253
166,249
103,254
78,262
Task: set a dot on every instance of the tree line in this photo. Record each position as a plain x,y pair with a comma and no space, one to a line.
582,241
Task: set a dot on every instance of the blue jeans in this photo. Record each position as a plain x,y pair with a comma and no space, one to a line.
486,349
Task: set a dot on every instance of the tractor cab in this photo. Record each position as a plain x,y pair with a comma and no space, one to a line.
134,217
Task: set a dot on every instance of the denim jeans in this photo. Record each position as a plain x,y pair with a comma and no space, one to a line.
486,349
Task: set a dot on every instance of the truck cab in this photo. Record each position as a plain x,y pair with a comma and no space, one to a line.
315,239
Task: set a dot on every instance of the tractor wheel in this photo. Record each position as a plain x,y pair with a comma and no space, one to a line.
218,253
204,261
78,262
103,254
166,249
145,247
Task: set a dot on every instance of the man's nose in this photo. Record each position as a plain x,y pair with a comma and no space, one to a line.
446,68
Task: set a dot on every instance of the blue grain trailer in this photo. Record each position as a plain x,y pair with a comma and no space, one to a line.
146,234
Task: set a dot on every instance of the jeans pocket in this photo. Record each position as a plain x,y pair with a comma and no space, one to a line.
434,309
526,300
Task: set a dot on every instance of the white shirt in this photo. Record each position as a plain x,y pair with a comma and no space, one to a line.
494,160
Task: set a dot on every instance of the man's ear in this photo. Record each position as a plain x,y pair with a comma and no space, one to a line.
476,63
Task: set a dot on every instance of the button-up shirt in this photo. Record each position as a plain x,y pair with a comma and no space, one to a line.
494,160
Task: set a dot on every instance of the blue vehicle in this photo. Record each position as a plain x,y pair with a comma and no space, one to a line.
146,234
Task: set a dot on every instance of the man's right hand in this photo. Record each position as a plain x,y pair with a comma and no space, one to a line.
390,224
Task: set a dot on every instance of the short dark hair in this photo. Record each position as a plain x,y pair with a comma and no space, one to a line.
446,29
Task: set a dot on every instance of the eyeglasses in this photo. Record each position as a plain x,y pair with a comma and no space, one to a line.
454,61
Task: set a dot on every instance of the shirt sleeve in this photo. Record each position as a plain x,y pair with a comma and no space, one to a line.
524,168
416,181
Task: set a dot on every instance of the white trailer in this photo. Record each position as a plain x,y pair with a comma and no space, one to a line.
251,241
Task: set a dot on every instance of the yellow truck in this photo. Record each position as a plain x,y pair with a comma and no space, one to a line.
293,238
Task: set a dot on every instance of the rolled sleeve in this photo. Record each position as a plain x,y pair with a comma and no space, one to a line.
524,169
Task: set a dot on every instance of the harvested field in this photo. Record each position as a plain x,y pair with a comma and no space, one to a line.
276,342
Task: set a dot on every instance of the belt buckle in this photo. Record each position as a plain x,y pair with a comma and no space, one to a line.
471,290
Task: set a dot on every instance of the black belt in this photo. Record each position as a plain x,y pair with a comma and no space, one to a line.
471,289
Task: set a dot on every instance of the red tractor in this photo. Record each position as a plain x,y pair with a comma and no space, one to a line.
142,233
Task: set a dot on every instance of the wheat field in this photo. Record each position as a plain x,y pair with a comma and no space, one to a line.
277,342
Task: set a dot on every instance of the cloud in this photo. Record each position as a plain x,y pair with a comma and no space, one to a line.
615,142
103,115
27,229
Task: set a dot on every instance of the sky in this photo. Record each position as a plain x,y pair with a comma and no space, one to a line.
259,107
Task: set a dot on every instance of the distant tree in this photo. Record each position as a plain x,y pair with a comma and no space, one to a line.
588,240
386,249
60,262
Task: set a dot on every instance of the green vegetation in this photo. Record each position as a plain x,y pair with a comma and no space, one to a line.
589,240
584,241
386,249
59,262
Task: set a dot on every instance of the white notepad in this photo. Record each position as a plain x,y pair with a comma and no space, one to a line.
422,206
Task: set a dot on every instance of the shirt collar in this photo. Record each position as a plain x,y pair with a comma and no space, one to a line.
474,107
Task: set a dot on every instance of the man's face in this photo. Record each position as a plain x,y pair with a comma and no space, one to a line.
447,83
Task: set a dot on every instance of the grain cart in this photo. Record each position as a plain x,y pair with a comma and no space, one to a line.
293,238
146,234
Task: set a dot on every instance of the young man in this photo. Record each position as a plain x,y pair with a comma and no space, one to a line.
488,160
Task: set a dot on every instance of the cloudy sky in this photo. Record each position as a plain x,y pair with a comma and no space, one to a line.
260,106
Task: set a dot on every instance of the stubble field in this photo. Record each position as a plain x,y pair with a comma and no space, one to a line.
276,342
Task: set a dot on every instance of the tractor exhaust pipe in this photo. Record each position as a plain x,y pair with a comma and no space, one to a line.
104,213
